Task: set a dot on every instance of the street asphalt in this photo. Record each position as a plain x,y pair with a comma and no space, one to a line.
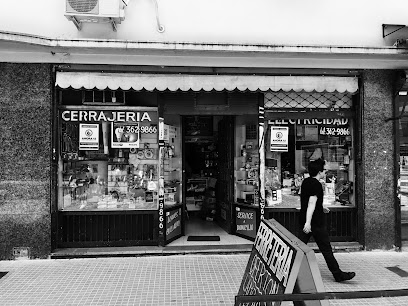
192,279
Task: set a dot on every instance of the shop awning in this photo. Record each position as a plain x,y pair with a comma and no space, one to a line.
186,82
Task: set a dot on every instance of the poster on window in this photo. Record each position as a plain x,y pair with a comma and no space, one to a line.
89,136
311,133
279,138
329,189
125,135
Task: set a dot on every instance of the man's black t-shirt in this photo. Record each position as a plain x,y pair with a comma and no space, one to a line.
311,187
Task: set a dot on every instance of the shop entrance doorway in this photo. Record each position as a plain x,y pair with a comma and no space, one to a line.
208,145
208,148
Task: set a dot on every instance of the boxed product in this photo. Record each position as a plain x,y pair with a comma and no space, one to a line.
169,198
274,197
248,196
190,200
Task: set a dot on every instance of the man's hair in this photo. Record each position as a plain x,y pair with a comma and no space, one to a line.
316,166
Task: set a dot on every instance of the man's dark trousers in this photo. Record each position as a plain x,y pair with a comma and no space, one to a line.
321,236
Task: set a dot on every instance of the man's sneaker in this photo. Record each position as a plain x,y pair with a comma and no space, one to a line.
344,276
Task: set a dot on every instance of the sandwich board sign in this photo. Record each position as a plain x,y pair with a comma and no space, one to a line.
279,264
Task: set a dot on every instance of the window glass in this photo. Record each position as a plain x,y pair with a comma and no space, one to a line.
246,161
290,144
403,181
108,159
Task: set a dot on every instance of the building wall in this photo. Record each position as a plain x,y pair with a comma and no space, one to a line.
25,138
274,22
25,89
378,159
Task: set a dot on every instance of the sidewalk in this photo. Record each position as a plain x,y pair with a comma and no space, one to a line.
177,279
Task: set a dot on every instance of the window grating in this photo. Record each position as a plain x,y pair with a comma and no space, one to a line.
251,131
321,100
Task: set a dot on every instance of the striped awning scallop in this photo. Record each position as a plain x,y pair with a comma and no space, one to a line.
186,82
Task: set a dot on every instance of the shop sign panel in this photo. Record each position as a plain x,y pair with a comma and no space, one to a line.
312,121
107,116
88,136
277,262
246,222
334,131
169,133
279,138
326,126
173,223
125,135
198,126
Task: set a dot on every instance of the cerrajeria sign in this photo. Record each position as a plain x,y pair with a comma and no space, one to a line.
101,115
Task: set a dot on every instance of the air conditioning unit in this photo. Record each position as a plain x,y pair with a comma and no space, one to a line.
97,11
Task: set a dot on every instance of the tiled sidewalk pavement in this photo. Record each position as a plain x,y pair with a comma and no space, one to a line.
372,274
175,280
161,280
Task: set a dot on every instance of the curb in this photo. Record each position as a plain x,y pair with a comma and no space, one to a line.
150,251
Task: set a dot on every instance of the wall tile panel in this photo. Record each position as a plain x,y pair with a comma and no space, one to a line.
378,152
25,135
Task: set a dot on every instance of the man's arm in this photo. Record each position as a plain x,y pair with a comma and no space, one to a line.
311,205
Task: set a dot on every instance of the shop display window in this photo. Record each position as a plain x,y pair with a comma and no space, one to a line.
246,161
171,162
290,144
108,159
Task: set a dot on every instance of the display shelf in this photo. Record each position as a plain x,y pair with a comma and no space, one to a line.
85,159
118,178
246,175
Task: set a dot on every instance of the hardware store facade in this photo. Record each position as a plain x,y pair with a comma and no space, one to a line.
129,185
121,131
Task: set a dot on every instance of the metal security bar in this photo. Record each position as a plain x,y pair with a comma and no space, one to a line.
249,299
305,100
92,229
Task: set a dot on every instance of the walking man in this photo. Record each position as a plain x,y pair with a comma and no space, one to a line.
312,218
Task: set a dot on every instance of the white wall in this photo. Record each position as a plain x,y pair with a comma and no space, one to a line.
275,22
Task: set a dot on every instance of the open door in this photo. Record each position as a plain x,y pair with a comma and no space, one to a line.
171,217
225,184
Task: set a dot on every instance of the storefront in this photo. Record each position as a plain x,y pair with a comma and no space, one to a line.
301,127
139,155
179,69
107,174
